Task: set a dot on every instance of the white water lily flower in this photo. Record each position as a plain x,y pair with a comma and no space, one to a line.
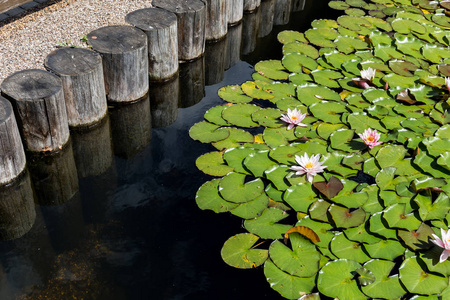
293,118
370,137
368,74
444,243
309,166
447,83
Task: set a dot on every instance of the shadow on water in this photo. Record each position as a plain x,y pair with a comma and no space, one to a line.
128,227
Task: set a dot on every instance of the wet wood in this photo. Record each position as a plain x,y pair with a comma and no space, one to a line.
267,13
235,11
161,29
12,154
251,5
191,19
81,72
38,101
125,61
282,12
216,25
6,5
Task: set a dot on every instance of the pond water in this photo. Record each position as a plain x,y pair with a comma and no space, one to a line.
116,216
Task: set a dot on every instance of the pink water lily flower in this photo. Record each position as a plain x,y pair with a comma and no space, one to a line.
310,166
447,83
370,137
368,74
293,118
366,80
444,243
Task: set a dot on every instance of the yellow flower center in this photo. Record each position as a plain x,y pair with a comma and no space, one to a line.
370,139
309,165
294,118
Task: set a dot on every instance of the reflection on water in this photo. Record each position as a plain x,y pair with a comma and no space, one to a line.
131,229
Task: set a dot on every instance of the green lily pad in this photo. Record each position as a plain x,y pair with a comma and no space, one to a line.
266,226
318,210
348,44
277,176
360,234
288,36
258,162
295,62
417,239
357,24
385,249
396,217
402,68
272,69
324,23
324,130
233,94
300,197
268,117
405,26
338,5
253,90
206,132
361,121
346,218
233,189
385,178
235,139
434,53
321,37
342,139
208,197
275,137
432,210
390,155
312,93
235,156
302,48
328,111
214,116
387,52
377,21
355,12
251,209
378,226
326,77
323,230
237,252
384,286
240,115
212,163
343,248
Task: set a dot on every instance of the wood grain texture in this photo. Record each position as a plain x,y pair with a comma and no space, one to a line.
216,25
251,5
81,73
191,18
164,99
38,101
235,11
124,53
12,155
161,29
6,5
267,13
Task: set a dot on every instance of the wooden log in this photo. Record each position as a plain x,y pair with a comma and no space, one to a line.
192,82
54,176
234,41
161,29
282,12
38,101
215,59
131,127
125,61
251,5
12,154
17,209
92,149
267,13
6,5
191,18
251,23
235,11
216,25
298,5
164,99
81,72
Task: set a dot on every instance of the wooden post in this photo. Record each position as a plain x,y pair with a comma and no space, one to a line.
235,11
81,72
161,29
216,25
282,12
234,41
191,16
17,209
131,127
164,99
250,30
215,59
192,82
125,61
54,176
298,5
38,100
12,155
92,149
267,14
251,5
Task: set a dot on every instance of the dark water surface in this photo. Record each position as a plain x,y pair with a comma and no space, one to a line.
116,216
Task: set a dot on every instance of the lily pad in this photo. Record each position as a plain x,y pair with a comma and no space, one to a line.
212,163
233,94
236,138
300,196
312,93
233,189
346,218
288,36
208,197
266,226
238,252
384,286
343,248
272,69
240,115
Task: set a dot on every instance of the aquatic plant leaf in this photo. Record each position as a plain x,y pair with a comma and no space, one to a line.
346,218
312,93
321,37
208,197
235,156
343,248
323,230
338,5
361,121
417,239
300,196
329,189
295,62
326,77
251,89
268,117
357,24
377,226
288,36
274,194
348,44
238,252
396,217
351,199
275,137
302,260
333,162
405,26
431,259
409,45
336,58
272,69
386,52
342,139
385,249
335,280
402,67
434,53
384,286
390,155
328,111
214,116
206,132
266,226
324,23
277,175
319,210
212,163
302,48
304,231
299,79
235,139
378,22
288,286
417,280
429,165
444,69
352,67
432,210
251,209
324,130
443,132
233,189
240,115
355,12
233,94
425,182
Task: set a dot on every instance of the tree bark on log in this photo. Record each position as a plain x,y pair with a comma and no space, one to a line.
38,101
216,26
251,5
267,14
81,72
125,61
191,18
161,29
12,154
235,11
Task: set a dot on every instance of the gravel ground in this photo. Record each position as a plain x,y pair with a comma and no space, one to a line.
25,42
